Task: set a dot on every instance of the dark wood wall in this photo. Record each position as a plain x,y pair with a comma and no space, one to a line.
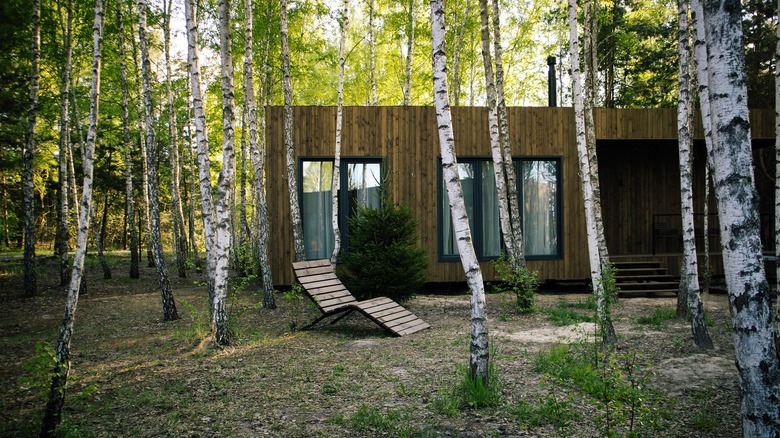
407,138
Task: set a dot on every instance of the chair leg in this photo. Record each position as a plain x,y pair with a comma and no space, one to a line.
313,323
343,315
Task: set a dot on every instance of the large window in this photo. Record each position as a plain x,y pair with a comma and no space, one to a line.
360,184
538,191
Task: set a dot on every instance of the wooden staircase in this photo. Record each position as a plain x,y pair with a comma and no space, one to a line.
644,278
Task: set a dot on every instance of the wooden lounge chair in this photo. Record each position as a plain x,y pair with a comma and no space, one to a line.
332,298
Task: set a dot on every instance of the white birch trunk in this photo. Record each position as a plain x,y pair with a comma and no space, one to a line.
63,220
777,186
455,78
732,170
689,296
219,323
499,169
336,180
480,354
129,199
177,214
289,146
602,305
201,135
409,56
53,413
168,303
28,186
518,261
258,157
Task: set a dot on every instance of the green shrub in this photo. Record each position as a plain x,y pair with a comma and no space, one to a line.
383,258
521,282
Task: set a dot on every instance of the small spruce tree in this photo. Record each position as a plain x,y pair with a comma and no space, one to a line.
383,258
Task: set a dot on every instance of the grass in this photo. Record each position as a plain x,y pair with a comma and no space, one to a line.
659,318
546,410
571,313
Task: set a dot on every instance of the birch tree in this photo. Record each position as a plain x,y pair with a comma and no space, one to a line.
371,53
289,147
479,351
458,49
56,400
777,183
495,140
129,197
335,181
63,229
220,328
689,295
28,186
201,135
596,273
177,214
257,153
730,157
168,302
409,56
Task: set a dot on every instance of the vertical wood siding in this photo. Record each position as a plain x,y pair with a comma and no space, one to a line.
638,177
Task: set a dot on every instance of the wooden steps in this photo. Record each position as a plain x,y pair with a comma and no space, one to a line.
644,278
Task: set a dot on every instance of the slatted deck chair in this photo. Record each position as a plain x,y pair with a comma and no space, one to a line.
332,298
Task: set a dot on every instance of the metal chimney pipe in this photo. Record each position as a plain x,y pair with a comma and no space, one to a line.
551,91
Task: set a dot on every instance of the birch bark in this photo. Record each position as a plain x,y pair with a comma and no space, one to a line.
499,169
371,53
734,184
219,323
130,201
179,237
64,222
689,296
777,184
28,186
289,146
607,331
168,302
258,154
56,400
201,135
479,351
336,180
455,78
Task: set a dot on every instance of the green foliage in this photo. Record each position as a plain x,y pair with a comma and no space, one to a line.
546,410
562,316
615,383
393,422
659,317
521,282
383,257
201,322
40,369
470,391
705,418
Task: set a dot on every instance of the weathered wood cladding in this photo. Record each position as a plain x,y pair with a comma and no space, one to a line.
407,139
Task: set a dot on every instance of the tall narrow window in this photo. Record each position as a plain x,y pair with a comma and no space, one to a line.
466,173
540,203
360,186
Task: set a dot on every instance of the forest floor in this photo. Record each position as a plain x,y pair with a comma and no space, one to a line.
134,375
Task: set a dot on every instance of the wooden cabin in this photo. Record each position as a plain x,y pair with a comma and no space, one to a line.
639,177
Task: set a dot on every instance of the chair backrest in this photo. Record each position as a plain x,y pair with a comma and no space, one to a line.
320,282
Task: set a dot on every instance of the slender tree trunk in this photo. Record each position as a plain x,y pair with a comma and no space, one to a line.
777,188
99,238
168,302
219,323
292,177
602,305
732,166
63,229
689,280
336,180
28,186
409,56
144,165
589,99
243,228
201,135
130,203
258,153
480,354
455,79
179,236
193,186
515,221
495,140
371,54
53,413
